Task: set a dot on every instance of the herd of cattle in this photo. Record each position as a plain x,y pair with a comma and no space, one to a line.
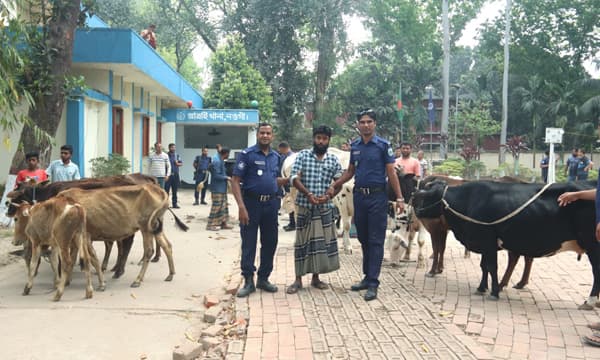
485,216
67,216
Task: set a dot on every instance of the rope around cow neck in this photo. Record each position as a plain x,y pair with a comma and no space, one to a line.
502,219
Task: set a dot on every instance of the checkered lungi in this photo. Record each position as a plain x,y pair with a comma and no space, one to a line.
315,249
219,212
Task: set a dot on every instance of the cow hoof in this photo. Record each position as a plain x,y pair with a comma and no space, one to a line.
114,268
169,278
89,294
480,291
439,271
519,286
585,306
155,259
135,284
117,274
57,297
493,297
26,290
101,288
430,274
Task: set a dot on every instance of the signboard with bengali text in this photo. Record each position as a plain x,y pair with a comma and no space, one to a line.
211,116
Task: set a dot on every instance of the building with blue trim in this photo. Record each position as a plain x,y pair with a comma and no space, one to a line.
134,98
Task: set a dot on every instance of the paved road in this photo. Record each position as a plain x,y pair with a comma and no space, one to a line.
122,322
416,317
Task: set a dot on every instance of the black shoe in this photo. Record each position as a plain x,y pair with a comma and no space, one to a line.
371,294
289,227
248,288
196,203
175,206
203,202
265,285
362,285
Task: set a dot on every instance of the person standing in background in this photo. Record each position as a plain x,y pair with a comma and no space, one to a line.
424,165
544,164
583,166
219,212
160,166
285,151
33,172
172,183
149,35
409,164
63,169
571,165
201,165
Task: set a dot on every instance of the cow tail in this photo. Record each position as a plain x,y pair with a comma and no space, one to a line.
178,221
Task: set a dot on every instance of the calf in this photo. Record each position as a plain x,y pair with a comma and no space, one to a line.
523,218
41,192
61,224
119,212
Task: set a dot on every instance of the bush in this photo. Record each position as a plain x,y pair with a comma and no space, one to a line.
450,167
460,167
115,164
508,169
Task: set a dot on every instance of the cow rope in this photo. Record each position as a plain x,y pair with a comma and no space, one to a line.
502,219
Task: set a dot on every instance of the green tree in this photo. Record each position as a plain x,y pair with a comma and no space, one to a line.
189,69
271,33
44,71
235,83
533,102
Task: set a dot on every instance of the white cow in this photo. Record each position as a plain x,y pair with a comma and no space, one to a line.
343,201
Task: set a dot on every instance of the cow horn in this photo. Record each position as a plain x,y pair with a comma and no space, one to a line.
25,212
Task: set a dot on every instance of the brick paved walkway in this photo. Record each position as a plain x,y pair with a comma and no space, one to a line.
416,317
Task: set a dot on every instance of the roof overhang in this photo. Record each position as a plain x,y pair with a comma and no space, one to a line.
126,54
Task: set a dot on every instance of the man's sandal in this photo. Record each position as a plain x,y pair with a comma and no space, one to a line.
319,285
292,289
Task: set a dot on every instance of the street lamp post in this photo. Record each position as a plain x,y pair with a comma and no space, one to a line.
457,87
431,113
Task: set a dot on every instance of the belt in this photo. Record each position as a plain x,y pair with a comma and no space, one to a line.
369,190
259,197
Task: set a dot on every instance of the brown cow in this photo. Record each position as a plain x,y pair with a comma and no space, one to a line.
119,212
41,192
61,224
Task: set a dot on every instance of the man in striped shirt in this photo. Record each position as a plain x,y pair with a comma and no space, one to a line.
160,166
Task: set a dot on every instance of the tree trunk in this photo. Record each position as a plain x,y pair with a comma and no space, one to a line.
325,63
48,109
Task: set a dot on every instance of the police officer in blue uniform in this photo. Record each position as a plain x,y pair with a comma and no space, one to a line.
372,164
255,184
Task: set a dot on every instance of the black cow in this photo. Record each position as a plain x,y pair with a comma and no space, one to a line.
541,228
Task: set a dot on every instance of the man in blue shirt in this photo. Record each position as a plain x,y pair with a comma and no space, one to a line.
372,164
201,165
572,164
258,170
173,180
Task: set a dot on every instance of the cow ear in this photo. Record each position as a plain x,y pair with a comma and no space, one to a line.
25,212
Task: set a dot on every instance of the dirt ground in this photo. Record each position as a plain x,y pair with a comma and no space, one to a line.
6,247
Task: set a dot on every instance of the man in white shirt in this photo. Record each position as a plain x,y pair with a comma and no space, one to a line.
160,166
63,169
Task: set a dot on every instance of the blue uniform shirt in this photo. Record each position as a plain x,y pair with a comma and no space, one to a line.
370,160
203,162
259,172
173,158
